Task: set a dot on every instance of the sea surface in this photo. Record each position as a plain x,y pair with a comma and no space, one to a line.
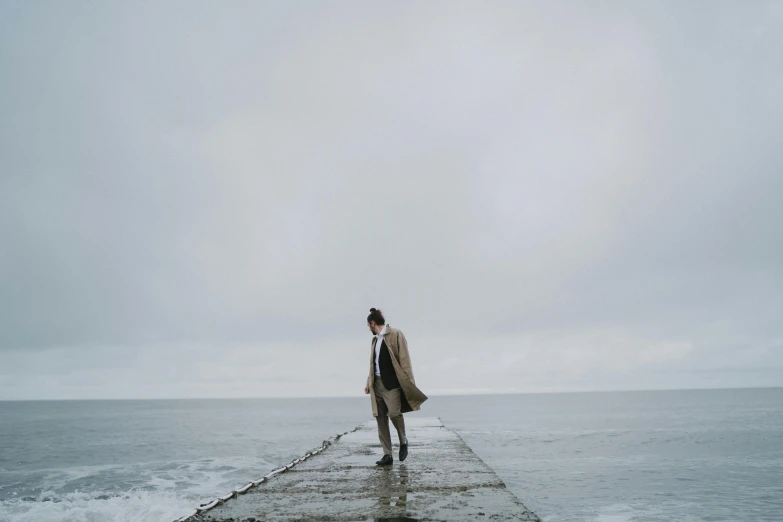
685,456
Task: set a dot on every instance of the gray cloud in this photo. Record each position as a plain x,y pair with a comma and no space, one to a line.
536,184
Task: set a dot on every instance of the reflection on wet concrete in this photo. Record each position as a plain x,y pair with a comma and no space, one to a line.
392,491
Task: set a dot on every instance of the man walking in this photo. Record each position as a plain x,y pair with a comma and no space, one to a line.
390,384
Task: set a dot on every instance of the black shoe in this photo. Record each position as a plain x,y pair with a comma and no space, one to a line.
403,451
387,460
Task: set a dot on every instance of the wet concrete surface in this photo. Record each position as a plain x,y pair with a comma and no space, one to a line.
442,479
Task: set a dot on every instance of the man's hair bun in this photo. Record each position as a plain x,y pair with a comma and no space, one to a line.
376,316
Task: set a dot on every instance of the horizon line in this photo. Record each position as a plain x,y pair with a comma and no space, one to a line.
457,394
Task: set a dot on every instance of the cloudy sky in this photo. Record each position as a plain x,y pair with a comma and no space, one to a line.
202,199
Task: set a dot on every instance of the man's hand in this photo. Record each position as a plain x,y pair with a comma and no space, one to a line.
366,390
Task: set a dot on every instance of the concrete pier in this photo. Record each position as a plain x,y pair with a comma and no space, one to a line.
442,479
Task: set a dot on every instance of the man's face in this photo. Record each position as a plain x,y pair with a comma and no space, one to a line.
372,326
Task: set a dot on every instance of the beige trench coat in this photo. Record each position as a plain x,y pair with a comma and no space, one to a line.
411,396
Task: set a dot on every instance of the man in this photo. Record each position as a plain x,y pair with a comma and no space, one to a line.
390,384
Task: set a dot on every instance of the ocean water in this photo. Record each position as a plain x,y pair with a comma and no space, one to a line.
686,456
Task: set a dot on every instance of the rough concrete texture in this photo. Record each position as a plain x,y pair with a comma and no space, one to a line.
442,479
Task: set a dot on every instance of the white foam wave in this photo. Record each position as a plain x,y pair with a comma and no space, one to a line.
134,506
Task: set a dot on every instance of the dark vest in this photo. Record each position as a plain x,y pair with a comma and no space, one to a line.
388,375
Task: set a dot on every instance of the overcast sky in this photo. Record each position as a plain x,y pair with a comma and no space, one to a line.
204,199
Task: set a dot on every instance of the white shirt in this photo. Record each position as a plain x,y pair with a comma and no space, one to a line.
378,343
